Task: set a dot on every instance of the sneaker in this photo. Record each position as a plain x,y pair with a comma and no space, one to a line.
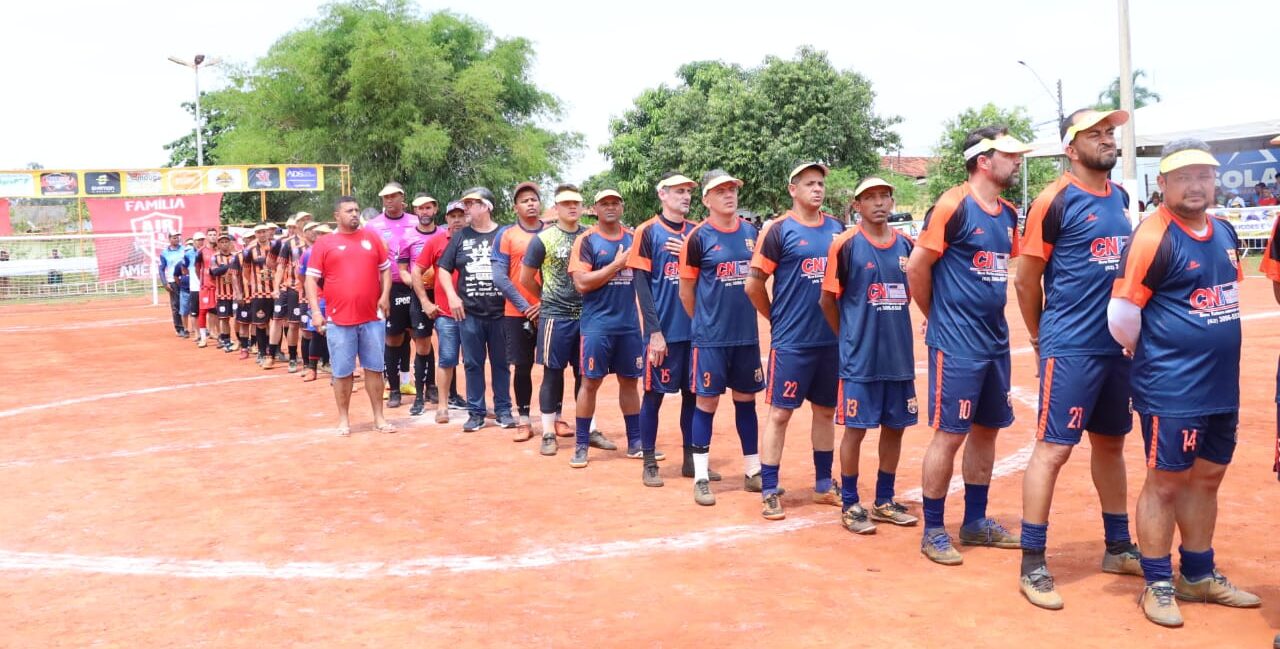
772,509
549,445
649,476
637,453
752,483
202,343
702,493
505,420
1215,589
830,496
894,513
686,469
473,423
293,366
1159,604
563,429
524,432
408,390
268,363
1127,562
393,399
233,346
856,520
598,440
457,402
418,407
180,333
936,545
579,460
281,357
244,353
261,358
989,533
1038,588
433,394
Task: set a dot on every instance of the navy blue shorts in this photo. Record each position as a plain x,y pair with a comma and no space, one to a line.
871,404
799,374
673,374
714,369
558,343
605,354
966,391
1174,443
1084,393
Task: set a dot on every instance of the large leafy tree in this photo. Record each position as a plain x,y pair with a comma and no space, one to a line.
435,102
948,168
754,123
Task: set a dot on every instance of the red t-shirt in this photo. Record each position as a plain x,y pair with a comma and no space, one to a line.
350,265
427,259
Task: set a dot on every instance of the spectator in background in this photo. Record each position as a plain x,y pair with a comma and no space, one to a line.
1265,196
1257,193
169,258
1234,200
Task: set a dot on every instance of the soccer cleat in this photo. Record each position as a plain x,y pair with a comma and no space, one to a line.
1159,604
936,545
650,476
563,429
856,520
753,484
505,420
549,445
393,399
829,497
1126,562
1038,588
894,513
293,366
418,406
524,432
408,390
772,508
473,423
579,460
702,493
637,453
1215,589
686,469
987,532
598,440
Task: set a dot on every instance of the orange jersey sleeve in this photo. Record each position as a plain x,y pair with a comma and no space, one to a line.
832,282
1135,278
934,235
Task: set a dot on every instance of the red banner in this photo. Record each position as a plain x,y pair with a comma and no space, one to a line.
152,219
6,228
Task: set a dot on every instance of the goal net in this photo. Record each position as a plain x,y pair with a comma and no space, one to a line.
44,267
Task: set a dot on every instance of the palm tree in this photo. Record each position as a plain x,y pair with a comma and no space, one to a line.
1109,99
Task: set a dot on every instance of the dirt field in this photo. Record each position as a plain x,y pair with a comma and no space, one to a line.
165,496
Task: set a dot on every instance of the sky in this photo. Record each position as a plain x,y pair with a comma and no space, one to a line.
90,86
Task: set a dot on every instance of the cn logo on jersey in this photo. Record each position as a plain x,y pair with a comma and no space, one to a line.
887,293
733,269
1215,299
1106,250
986,260
812,267
671,270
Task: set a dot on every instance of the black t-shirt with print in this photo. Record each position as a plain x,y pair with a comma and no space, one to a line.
470,255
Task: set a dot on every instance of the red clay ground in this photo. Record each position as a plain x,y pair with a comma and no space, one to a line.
224,514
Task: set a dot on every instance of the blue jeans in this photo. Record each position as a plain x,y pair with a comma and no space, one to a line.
479,335
184,303
366,340
449,343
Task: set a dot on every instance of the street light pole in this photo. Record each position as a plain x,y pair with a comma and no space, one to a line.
1057,99
195,64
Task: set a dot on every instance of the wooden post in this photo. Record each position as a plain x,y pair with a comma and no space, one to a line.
262,199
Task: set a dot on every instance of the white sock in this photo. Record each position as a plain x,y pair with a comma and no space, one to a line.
701,465
751,463
549,423
204,333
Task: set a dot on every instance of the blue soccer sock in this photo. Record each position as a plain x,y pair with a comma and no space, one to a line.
1115,528
848,491
933,512
631,423
768,479
702,421
975,502
1034,536
1157,569
884,487
649,408
583,435
744,414
822,471
1196,565
688,404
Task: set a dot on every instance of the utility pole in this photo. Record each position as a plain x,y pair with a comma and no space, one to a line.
200,61
1128,145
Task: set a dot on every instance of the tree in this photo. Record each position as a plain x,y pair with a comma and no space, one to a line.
1109,99
948,170
754,123
842,182
434,102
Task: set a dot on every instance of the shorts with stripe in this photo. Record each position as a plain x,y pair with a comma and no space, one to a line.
872,404
799,374
966,391
558,343
737,368
605,354
672,374
1174,443
1083,393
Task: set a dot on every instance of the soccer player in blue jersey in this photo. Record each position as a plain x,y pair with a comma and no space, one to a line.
959,275
714,265
1176,307
610,325
866,300
803,352
655,260
1074,234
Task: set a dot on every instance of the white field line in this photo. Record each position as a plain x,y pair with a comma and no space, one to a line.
572,552
86,324
13,412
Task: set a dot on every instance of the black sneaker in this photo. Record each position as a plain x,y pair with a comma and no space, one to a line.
474,423
433,394
457,402
418,406
598,440
393,399
180,333
505,420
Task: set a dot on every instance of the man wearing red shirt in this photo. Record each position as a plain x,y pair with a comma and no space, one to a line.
346,264
426,274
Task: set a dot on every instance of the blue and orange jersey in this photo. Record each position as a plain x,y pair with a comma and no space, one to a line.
651,255
719,261
796,255
610,309
1079,234
971,276
511,243
869,281
1187,361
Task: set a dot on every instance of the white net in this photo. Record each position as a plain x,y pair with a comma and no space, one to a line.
40,267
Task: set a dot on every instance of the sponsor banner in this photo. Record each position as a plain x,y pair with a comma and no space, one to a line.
1249,222
6,228
1241,170
261,178
224,179
102,183
151,220
144,183
302,178
156,182
59,183
17,184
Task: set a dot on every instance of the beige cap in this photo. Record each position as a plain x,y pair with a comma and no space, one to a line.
676,180
423,200
872,182
791,177
391,188
606,193
717,181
